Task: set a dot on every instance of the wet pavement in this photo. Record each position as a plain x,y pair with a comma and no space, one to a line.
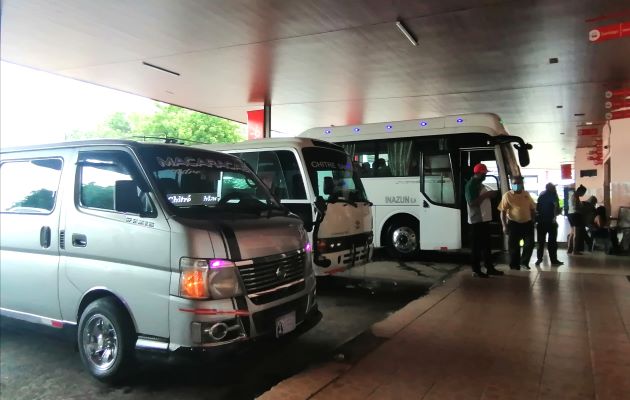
41,363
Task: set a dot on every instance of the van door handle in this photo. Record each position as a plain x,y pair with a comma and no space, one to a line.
44,237
425,204
79,240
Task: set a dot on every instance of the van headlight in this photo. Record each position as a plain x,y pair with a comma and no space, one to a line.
201,278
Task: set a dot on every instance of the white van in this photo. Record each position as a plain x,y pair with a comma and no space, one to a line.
317,181
150,246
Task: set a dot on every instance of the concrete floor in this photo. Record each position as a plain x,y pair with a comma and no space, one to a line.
550,333
41,363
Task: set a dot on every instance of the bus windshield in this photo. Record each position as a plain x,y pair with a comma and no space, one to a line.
333,175
195,181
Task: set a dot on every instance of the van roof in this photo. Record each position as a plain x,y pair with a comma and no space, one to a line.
93,142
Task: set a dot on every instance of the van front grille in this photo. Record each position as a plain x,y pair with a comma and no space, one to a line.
267,273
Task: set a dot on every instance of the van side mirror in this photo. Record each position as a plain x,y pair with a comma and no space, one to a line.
126,197
329,185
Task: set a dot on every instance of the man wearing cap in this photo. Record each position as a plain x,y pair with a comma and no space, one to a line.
547,208
517,216
479,216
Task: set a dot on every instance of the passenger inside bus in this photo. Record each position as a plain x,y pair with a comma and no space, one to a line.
381,169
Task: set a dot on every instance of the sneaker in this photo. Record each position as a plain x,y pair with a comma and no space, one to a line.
479,274
525,266
538,262
556,263
493,271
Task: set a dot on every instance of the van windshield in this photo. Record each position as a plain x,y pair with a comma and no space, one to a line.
194,181
333,175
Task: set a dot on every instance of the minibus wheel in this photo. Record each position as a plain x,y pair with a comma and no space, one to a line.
402,238
106,340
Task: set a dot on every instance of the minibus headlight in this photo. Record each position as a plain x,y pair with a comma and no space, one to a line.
223,280
201,278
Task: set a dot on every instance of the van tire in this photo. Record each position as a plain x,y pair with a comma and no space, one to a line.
106,340
402,239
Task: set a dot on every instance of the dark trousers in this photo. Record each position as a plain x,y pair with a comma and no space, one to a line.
543,229
480,239
516,233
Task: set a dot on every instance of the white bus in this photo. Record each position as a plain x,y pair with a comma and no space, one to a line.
317,181
415,172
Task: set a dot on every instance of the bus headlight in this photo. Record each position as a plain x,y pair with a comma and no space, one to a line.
202,278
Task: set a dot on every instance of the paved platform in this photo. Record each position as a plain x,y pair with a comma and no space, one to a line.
549,333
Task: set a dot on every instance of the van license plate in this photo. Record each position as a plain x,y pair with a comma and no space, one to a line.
285,324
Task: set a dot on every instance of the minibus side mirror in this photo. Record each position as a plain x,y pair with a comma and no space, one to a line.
329,185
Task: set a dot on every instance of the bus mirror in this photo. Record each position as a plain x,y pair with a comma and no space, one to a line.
523,153
329,185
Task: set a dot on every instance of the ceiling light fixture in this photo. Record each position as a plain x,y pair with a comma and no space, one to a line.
406,32
578,114
160,68
558,106
589,123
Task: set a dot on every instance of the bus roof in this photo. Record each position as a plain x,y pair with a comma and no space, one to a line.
452,124
293,142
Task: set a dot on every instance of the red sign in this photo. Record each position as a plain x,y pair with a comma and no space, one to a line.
617,104
618,114
255,124
617,93
588,132
608,32
565,171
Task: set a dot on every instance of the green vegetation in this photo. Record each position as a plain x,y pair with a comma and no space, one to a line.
168,121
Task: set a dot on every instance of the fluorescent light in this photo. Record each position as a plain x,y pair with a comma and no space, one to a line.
589,123
405,32
168,71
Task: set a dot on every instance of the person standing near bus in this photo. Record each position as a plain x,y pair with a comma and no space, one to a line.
517,216
547,209
576,220
479,217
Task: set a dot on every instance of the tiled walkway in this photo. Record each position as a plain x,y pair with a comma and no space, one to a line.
544,334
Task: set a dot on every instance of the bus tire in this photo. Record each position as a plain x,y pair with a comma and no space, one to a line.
402,238
106,340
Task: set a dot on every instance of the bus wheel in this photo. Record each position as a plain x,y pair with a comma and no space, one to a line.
106,340
402,240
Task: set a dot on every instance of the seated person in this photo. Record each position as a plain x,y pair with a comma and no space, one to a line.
601,229
382,170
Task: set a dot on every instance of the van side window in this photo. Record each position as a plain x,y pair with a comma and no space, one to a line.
109,180
29,186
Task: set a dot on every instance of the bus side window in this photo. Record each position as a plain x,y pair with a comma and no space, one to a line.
437,179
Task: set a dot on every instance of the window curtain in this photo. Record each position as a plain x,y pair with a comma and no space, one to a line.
399,154
349,148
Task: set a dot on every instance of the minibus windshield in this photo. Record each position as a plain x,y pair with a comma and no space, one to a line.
333,175
194,181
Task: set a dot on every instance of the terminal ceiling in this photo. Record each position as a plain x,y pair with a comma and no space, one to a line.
332,62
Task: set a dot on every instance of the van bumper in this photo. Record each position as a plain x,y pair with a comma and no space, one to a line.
192,321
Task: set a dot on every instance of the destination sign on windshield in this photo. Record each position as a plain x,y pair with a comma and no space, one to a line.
193,199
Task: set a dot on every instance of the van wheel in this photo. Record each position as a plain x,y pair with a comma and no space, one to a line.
402,239
106,340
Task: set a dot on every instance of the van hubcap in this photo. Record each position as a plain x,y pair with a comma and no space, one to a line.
100,341
404,240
